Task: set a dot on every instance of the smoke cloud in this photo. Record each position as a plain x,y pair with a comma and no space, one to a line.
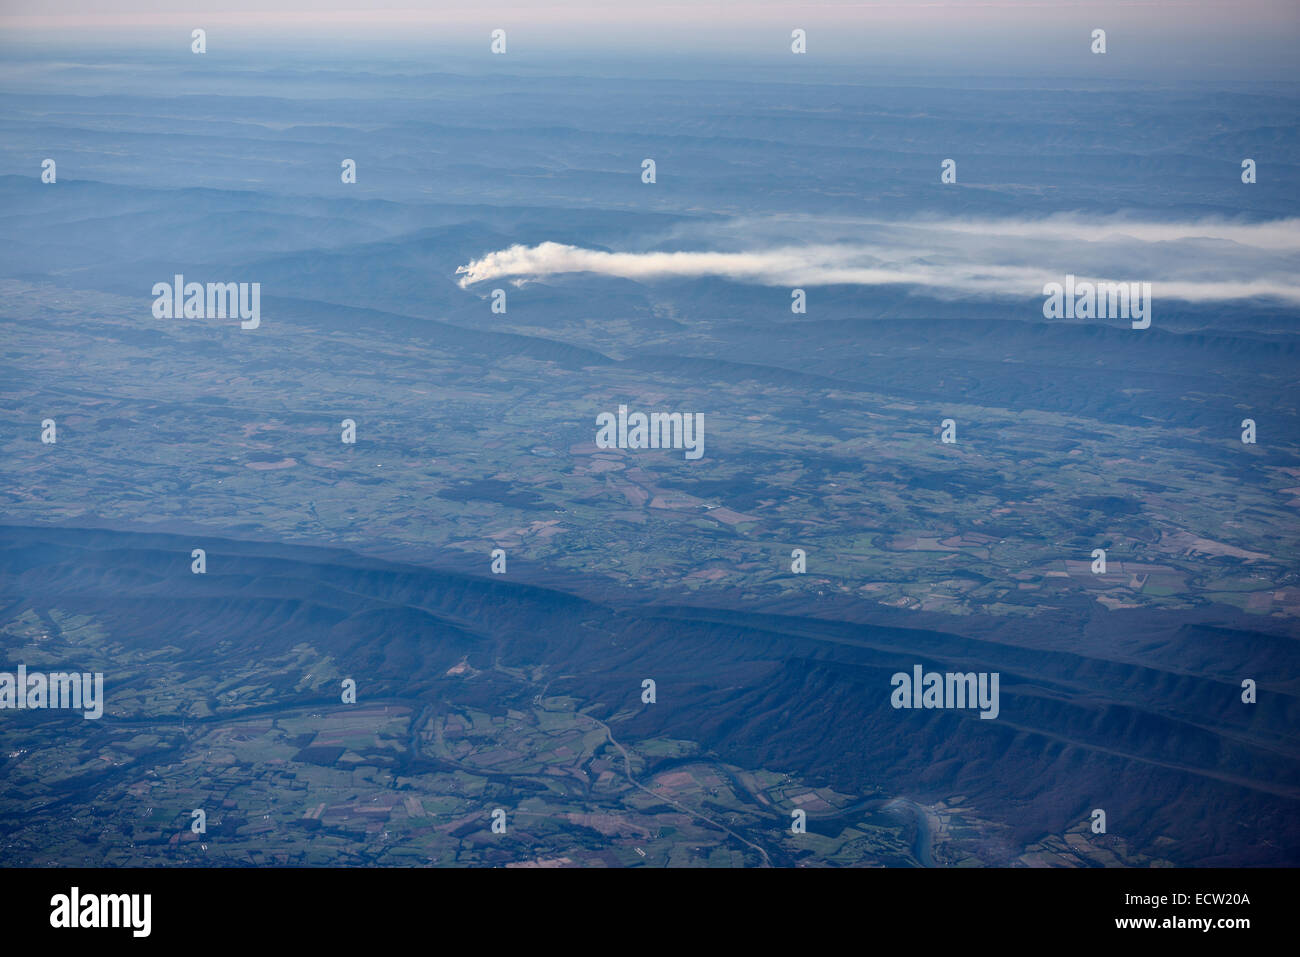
1204,261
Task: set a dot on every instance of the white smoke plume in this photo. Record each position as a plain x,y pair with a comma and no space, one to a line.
1203,261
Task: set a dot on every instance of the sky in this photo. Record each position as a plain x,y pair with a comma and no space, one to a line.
1242,37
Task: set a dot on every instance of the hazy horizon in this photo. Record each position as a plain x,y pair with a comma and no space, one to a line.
1255,39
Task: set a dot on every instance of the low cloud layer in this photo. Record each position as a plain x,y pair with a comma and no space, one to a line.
1191,261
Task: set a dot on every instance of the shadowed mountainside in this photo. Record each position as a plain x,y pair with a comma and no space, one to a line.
1158,727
